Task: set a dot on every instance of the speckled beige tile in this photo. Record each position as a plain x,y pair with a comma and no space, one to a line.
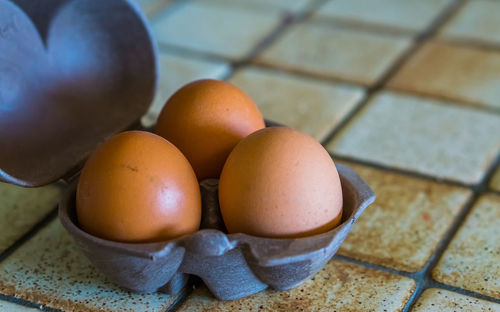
223,30
422,135
21,208
339,286
452,71
152,6
407,221
476,21
274,5
472,260
312,106
440,300
325,50
176,71
12,307
408,15
495,181
50,270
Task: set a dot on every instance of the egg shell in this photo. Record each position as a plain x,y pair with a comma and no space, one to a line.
138,187
205,119
279,182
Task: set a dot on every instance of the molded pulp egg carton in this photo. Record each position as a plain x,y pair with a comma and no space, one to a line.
92,66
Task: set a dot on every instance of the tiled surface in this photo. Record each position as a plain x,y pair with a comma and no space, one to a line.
176,71
12,307
457,72
408,15
51,270
151,6
422,135
495,181
288,6
218,29
312,106
298,82
477,21
440,300
323,49
472,260
339,286
407,221
22,208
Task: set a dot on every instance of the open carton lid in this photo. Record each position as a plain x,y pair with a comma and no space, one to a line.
72,73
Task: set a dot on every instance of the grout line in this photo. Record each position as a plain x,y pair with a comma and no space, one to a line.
412,275
194,283
28,235
184,293
398,64
448,100
28,304
405,172
462,291
426,274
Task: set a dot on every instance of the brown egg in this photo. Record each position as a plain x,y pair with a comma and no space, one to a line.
138,187
278,182
205,119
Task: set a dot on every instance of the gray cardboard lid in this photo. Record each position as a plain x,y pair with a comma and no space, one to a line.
72,73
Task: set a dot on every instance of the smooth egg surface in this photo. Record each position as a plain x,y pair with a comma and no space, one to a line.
138,187
205,119
278,182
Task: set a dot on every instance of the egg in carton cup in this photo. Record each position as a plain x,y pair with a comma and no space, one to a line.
92,66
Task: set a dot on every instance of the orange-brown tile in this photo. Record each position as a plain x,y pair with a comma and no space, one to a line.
407,221
452,71
339,286
312,106
440,300
50,270
150,7
329,51
495,181
472,260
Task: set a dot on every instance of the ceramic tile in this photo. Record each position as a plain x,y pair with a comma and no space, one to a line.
12,307
339,286
477,21
21,208
312,106
152,6
472,260
176,71
440,300
407,221
273,5
408,15
325,50
422,135
495,181
223,30
50,270
452,71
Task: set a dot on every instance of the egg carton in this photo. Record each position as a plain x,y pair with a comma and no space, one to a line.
79,71
231,265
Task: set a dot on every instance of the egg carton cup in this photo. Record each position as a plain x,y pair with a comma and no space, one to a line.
231,265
